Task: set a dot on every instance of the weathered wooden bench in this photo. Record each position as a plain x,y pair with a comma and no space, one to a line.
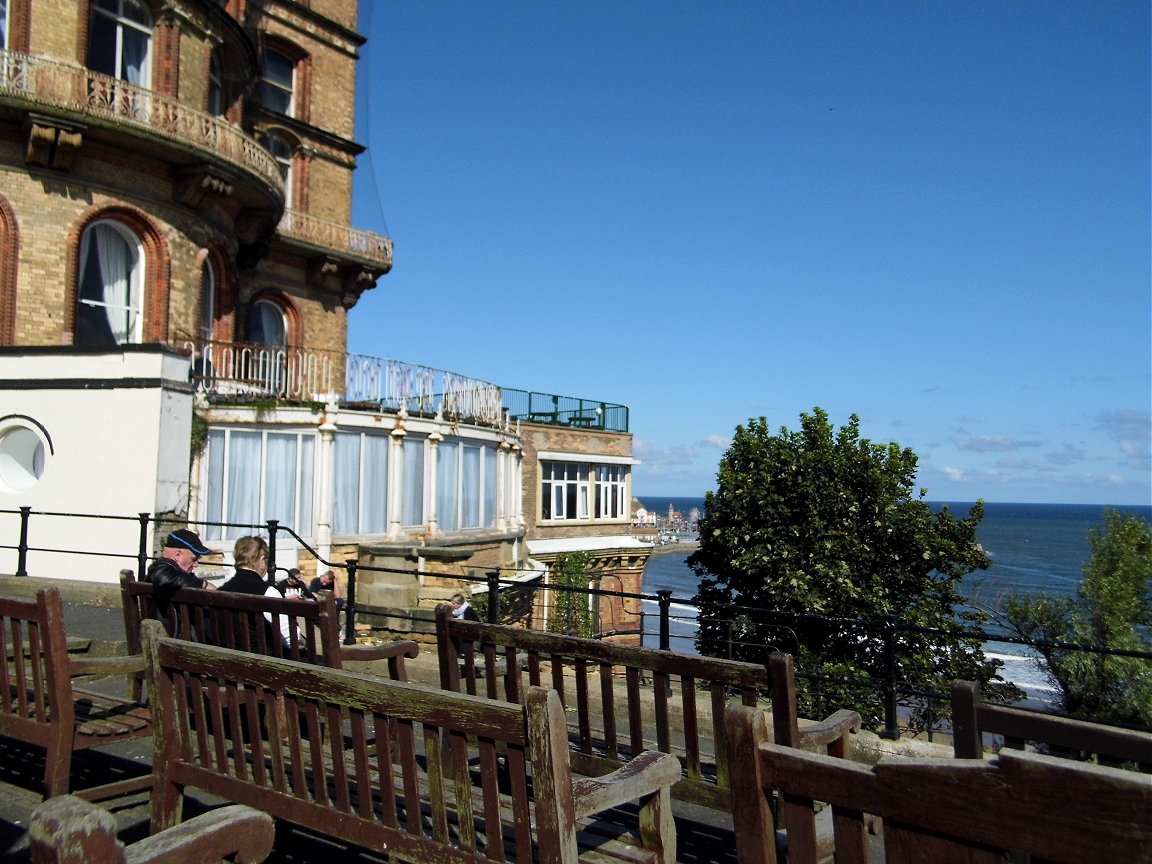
449,777
70,830
973,718
626,699
944,811
43,703
239,621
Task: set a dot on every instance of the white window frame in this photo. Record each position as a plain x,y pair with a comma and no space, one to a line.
473,512
582,487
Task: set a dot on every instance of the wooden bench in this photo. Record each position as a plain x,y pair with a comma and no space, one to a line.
42,702
450,777
944,811
69,830
627,698
973,718
230,619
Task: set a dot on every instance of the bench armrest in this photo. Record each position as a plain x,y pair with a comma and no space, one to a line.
647,773
236,832
829,730
127,665
399,648
395,650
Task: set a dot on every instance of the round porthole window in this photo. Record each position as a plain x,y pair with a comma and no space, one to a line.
21,458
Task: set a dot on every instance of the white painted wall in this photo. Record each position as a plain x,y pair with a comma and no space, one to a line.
116,427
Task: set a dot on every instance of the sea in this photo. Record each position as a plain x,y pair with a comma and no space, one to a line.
1034,548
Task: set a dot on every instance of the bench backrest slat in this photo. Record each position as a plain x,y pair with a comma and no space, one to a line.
641,697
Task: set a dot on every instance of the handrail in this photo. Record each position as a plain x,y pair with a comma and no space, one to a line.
80,92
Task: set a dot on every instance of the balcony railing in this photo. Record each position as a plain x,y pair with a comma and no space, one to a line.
260,372
80,93
334,235
250,372
551,410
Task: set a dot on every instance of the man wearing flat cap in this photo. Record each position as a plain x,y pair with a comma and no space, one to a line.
173,569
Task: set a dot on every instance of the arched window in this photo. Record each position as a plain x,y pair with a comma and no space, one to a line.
110,302
216,104
267,325
120,41
207,300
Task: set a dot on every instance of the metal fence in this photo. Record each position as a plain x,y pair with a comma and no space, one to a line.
669,626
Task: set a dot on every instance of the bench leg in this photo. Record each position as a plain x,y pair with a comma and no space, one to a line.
58,764
657,828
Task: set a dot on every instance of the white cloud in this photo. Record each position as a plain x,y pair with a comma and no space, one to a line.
717,442
993,444
1133,431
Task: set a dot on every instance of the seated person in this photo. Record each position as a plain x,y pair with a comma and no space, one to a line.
293,586
463,610
327,582
250,556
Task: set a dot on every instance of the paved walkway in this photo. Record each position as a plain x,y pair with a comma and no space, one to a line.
92,611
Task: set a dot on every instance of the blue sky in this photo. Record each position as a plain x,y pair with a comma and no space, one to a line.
934,215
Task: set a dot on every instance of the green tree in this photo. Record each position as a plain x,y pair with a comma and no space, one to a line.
1112,609
817,522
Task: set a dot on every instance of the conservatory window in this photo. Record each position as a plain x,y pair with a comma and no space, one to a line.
110,303
254,476
277,81
466,486
120,40
360,496
412,507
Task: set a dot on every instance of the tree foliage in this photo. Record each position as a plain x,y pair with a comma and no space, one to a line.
1112,609
819,522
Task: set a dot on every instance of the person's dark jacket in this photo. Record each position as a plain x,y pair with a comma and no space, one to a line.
168,579
251,582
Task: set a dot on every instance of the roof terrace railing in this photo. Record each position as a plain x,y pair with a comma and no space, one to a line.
551,410
245,372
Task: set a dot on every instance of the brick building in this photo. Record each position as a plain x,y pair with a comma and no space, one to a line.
177,267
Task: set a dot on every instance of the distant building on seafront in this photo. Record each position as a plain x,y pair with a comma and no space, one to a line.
177,271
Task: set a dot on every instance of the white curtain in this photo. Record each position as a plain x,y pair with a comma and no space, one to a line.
346,477
280,479
305,526
447,474
412,512
214,505
115,257
470,489
489,487
375,495
243,481
135,57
